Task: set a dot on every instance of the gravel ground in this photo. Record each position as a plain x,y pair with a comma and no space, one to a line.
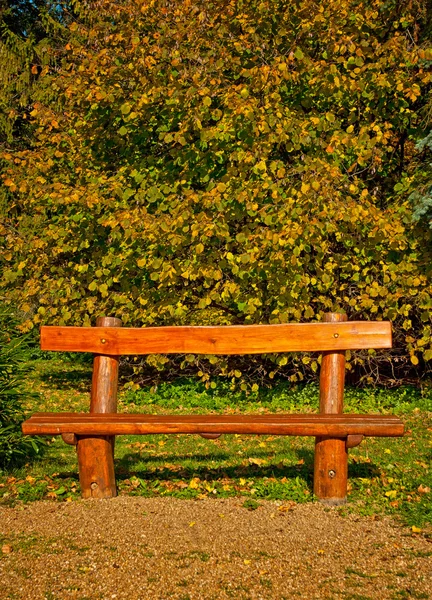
138,548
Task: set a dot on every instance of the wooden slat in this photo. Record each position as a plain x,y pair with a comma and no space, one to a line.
202,418
233,339
308,425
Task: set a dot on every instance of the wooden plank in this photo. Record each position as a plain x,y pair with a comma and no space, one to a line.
233,339
308,425
210,418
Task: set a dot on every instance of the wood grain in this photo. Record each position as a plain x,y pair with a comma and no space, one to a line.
105,376
331,469
339,426
96,454
96,467
331,455
353,440
233,339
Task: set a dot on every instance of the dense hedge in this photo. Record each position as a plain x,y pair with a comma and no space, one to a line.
228,162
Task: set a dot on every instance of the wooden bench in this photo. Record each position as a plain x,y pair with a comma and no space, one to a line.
94,433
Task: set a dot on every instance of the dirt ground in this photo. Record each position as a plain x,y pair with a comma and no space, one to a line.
138,548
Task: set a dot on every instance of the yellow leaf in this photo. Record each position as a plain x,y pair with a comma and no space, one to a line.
286,507
416,529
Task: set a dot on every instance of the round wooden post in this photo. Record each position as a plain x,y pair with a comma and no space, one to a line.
331,457
96,453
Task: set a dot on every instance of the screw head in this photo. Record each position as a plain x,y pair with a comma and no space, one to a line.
103,341
332,474
336,335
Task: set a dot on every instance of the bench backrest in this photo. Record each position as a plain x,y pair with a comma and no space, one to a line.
232,339
108,341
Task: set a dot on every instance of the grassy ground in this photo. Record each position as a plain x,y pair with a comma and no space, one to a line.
385,475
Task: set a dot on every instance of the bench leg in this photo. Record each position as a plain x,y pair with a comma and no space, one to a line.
96,466
331,471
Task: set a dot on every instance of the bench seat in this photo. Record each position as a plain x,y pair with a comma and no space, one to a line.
339,426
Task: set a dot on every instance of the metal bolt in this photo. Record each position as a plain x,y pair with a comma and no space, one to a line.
332,474
93,485
103,341
336,335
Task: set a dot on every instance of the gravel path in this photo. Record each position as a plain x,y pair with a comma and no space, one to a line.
137,548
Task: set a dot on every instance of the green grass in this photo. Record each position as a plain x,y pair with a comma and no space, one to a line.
386,476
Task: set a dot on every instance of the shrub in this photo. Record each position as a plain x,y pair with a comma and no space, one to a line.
14,351
228,162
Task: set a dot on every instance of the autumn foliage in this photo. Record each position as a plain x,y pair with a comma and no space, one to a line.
227,162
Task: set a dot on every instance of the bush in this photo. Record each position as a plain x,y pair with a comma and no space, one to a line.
228,162
14,352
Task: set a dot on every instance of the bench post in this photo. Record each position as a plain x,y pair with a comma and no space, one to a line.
331,457
96,453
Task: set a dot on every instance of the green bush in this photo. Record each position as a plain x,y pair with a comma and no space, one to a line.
228,162
14,354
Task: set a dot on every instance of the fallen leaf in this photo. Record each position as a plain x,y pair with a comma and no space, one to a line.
6,549
286,507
